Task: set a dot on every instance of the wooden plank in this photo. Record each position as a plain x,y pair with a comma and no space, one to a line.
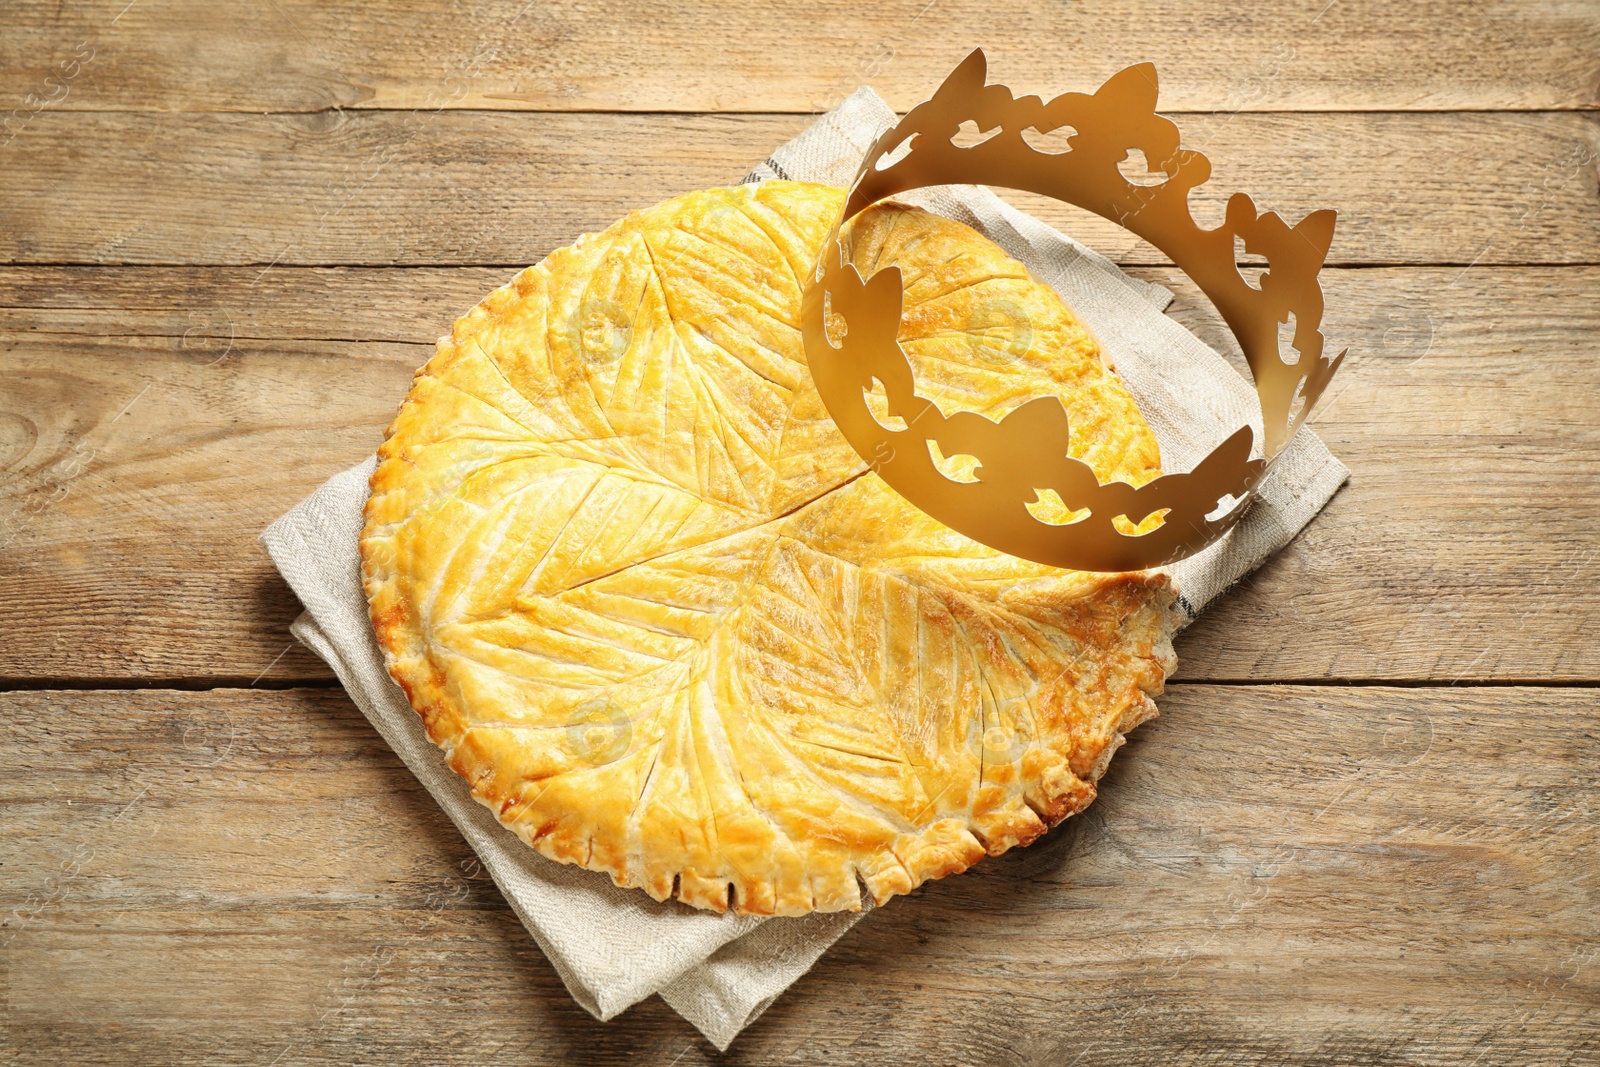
150,473
471,188
203,307
145,455
297,55
1464,543
1271,875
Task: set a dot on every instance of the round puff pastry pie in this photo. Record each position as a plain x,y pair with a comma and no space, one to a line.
668,625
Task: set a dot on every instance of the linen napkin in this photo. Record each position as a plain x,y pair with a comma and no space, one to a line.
614,947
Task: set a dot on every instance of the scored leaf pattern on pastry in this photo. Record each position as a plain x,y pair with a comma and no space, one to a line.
668,626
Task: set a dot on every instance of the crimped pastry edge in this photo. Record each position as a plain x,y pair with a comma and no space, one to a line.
947,846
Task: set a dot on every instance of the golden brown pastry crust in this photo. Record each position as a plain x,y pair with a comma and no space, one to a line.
665,623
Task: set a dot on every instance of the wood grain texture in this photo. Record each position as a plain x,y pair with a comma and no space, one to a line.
1271,875
159,419
1301,873
301,55
467,188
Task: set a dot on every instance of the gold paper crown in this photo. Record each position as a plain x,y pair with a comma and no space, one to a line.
851,326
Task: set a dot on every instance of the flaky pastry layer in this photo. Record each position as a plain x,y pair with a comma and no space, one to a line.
668,626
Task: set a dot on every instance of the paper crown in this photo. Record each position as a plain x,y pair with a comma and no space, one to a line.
851,326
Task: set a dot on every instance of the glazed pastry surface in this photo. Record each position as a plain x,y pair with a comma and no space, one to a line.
667,624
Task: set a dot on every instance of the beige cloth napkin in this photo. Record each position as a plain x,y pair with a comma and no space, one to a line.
614,947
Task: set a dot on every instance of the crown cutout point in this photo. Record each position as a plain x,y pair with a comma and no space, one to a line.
851,325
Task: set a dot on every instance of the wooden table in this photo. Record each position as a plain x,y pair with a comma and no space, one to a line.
1364,829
